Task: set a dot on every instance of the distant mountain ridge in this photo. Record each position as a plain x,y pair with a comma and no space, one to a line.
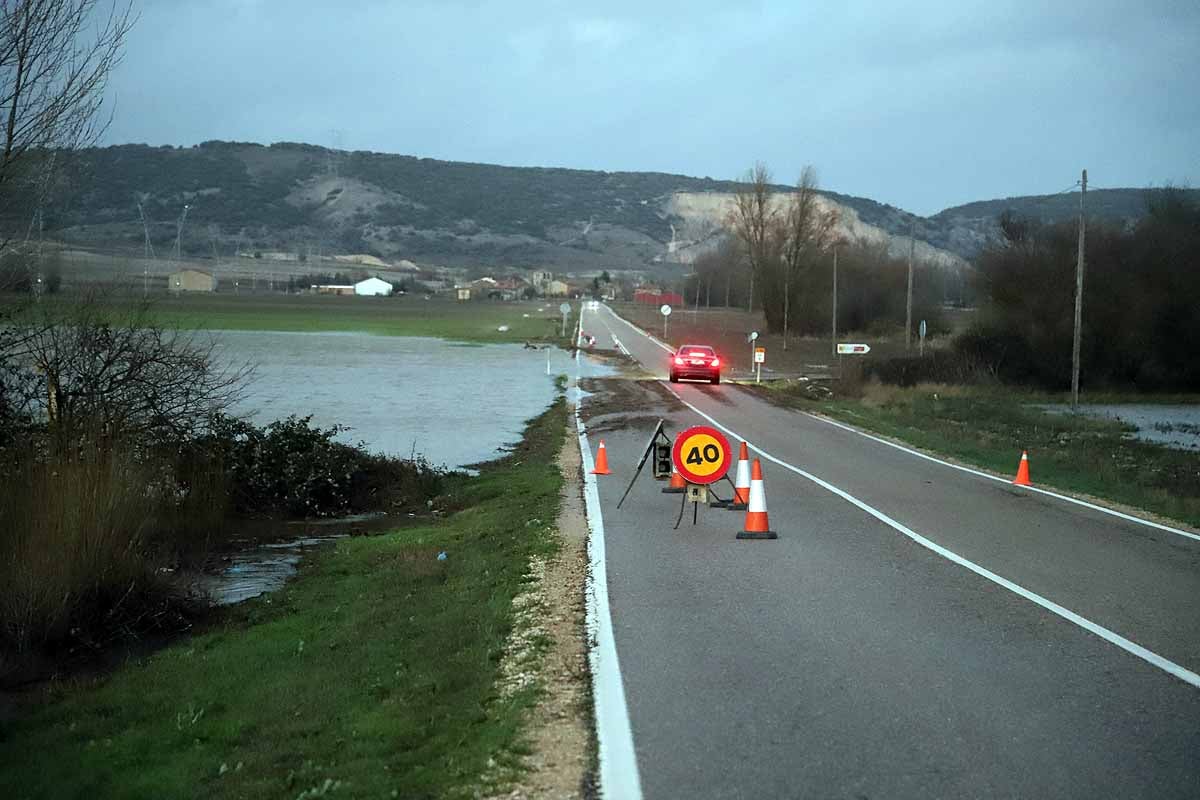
302,198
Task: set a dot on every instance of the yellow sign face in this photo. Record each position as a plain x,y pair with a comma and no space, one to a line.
703,454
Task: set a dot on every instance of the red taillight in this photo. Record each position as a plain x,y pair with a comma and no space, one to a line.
678,360
716,362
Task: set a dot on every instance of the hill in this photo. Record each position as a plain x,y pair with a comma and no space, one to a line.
299,199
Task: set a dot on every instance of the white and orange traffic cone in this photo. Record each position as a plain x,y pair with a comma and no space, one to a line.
601,467
677,485
757,525
1022,478
741,483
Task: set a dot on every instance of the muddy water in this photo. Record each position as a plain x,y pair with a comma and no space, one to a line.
455,404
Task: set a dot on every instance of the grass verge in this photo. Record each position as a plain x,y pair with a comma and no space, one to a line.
373,674
989,428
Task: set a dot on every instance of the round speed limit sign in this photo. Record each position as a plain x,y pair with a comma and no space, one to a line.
701,454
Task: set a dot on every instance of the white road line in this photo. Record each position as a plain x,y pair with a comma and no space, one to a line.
618,767
1046,492
1133,648
969,470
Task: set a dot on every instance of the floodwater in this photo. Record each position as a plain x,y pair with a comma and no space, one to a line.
456,404
1175,426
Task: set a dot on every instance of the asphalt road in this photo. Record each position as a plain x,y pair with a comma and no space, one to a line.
916,630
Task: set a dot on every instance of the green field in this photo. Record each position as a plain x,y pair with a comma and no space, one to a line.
372,674
410,315
989,427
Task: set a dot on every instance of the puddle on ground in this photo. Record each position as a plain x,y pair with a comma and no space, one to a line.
252,570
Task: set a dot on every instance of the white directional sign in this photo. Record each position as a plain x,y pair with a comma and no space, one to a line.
565,308
760,355
665,310
753,335
853,349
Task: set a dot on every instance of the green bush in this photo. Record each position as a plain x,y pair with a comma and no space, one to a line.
296,468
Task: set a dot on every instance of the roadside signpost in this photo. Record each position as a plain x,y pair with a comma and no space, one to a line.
760,356
844,348
922,332
666,312
565,308
751,339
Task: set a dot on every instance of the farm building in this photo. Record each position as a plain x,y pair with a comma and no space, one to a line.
556,289
333,288
373,287
192,280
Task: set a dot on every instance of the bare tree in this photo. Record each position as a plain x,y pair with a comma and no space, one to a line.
805,231
754,220
55,60
93,369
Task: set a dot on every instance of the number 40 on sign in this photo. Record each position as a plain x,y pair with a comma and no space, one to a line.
701,454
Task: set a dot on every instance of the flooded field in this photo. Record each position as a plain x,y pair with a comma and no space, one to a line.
453,403
1175,426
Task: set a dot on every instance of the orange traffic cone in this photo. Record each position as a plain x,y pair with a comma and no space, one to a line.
677,485
757,525
601,461
741,484
1022,478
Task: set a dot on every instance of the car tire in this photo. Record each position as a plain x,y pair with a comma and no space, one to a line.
716,379
674,378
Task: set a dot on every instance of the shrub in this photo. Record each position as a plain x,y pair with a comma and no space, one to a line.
294,467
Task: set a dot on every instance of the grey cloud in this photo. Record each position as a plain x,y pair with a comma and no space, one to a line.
922,105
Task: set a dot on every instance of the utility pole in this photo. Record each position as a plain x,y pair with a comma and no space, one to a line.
834,345
912,245
1078,299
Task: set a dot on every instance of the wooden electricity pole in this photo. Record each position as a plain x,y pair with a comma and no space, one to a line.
1078,299
912,244
834,345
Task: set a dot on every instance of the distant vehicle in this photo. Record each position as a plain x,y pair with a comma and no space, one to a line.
696,362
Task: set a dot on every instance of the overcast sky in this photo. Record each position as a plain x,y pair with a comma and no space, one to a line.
922,105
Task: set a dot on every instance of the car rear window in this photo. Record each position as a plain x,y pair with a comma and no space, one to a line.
689,350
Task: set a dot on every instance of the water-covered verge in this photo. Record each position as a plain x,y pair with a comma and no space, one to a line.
1173,425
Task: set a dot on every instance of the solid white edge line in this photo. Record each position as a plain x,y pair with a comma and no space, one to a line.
961,468
618,770
978,473
1133,648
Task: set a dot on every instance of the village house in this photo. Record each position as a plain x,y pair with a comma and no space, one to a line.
373,287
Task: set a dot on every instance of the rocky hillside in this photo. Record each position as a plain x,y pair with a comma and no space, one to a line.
302,199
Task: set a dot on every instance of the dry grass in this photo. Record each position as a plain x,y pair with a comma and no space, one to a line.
81,540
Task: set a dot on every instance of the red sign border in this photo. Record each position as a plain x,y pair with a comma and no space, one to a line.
687,474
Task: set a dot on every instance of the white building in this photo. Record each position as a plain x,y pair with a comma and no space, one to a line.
373,287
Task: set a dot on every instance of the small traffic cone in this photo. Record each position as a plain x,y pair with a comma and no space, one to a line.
677,485
601,467
757,526
741,484
1022,478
